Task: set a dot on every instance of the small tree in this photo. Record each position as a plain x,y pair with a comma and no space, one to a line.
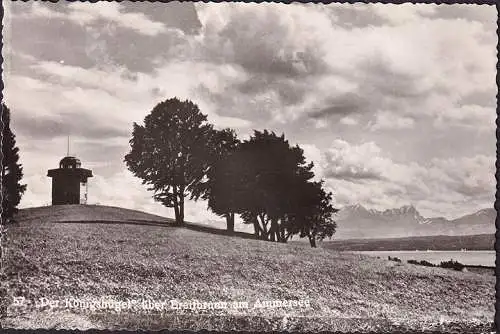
313,215
12,171
171,152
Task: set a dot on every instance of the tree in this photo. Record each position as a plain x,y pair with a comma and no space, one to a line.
269,183
171,152
219,184
12,171
312,215
268,169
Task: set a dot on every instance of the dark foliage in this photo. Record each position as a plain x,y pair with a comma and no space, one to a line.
12,171
451,264
268,183
171,152
218,188
426,263
312,215
421,263
264,179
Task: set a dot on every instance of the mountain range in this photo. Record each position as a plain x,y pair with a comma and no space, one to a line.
355,221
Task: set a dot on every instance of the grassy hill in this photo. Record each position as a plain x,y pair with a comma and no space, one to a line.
52,253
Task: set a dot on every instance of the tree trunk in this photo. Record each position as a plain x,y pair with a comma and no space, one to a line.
181,209
264,232
312,241
230,222
256,228
176,211
176,206
272,231
282,235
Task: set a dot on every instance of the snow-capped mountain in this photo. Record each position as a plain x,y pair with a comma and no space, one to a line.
356,221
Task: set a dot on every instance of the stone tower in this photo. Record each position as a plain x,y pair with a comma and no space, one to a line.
69,182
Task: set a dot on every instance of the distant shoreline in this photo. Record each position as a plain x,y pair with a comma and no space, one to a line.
478,242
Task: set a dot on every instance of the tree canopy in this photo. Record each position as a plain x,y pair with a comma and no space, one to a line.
312,214
263,179
218,186
171,152
12,171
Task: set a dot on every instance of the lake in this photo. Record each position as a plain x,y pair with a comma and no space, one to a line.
478,258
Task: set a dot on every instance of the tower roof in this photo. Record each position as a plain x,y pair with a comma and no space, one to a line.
70,165
70,162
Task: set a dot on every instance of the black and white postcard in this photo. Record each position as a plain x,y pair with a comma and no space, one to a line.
257,167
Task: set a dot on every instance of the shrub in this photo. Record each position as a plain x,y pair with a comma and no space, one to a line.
452,265
421,263
426,263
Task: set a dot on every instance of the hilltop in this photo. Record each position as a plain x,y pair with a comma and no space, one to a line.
87,252
88,213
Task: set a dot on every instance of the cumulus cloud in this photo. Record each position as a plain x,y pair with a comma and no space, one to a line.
350,162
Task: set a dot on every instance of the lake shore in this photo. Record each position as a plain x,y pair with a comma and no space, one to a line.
467,258
422,243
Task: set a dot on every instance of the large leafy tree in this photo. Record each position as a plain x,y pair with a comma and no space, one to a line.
12,171
171,152
268,170
218,186
268,182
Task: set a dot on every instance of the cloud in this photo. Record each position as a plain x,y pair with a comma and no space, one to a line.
364,174
354,163
275,39
47,30
385,120
84,14
474,178
348,121
484,14
354,16
480,97
343,105
313,154
322,74
468,116
111,98
66,124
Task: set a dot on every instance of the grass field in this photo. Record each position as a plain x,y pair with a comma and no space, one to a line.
46,257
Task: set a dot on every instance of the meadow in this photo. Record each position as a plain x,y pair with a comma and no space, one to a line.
97,252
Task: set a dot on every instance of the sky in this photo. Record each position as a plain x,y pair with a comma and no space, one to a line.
394,104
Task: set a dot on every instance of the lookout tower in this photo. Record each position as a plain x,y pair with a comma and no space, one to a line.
69,181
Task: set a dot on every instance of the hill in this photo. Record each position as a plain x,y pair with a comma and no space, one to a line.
88,213
49,256
357,222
